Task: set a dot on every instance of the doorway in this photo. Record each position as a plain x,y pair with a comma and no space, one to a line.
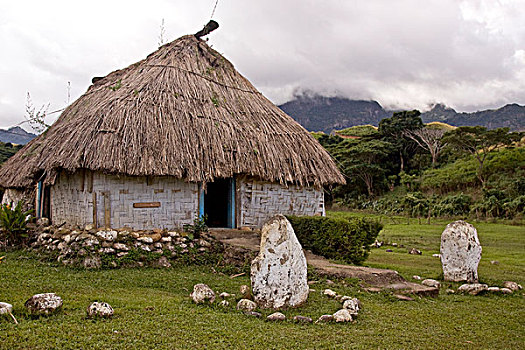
219,199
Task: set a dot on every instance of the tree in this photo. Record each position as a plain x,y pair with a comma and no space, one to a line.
363,160
393,131
479,141
429,139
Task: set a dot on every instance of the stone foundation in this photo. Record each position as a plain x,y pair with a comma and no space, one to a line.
107,248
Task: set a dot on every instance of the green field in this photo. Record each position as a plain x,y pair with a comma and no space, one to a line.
153,310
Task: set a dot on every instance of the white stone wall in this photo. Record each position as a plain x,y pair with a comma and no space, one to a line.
72,200
260,200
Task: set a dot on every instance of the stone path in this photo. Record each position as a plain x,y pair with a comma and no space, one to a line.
374,280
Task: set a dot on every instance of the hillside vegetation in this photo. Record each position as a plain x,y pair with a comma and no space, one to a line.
425,170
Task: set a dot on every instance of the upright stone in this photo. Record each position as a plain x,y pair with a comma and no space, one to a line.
278,273
460,252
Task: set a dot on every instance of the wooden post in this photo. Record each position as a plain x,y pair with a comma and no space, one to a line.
107,209
95,221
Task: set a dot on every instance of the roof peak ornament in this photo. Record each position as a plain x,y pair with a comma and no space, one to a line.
208,28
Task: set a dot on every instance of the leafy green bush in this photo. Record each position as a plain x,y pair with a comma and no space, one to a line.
458,204
14,223
199,226
348,240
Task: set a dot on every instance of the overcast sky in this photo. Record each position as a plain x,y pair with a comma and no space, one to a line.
467,54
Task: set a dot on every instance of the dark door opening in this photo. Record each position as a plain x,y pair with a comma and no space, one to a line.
218,203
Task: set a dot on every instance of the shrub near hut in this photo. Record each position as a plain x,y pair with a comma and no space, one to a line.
347,240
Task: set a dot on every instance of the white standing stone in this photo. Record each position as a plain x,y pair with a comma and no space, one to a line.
460,252
278,273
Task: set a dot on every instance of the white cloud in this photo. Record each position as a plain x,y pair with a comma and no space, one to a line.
467,54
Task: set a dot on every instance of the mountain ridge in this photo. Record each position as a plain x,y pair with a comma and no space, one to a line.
321,113
16,135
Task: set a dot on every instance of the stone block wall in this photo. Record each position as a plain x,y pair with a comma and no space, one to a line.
172,202
260,200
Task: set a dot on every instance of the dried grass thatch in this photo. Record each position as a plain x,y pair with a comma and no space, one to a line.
184,111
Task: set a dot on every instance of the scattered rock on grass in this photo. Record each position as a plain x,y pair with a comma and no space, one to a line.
403,297
224,303
7,309
494,289
342,315
505,290
246,292
416,277
253,313
202,293
99,309
389,250
431,283
414,251
246,305
276,316
302,319
513,286
352,305
473,288
224,295
43,304
325,318
329,293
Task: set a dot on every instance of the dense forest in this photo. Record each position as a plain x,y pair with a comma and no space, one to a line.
422,170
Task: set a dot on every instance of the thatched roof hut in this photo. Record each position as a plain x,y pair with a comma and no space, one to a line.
183,112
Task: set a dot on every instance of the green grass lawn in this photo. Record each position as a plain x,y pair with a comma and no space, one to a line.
153,310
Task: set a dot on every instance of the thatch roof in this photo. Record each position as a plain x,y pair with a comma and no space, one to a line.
184,111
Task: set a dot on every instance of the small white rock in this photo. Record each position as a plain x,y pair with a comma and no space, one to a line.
416,277
494,289
431,283
224,295
99,309
109,236
330,293
513,286
246,305
145,239
352,306
276,316
342,315
473,288
202,293
5,308
506,290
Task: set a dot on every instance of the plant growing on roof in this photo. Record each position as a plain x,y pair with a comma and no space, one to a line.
117,85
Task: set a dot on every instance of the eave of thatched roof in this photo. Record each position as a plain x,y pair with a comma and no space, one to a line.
184,111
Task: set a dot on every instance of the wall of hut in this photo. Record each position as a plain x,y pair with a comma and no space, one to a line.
260,200
86,197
